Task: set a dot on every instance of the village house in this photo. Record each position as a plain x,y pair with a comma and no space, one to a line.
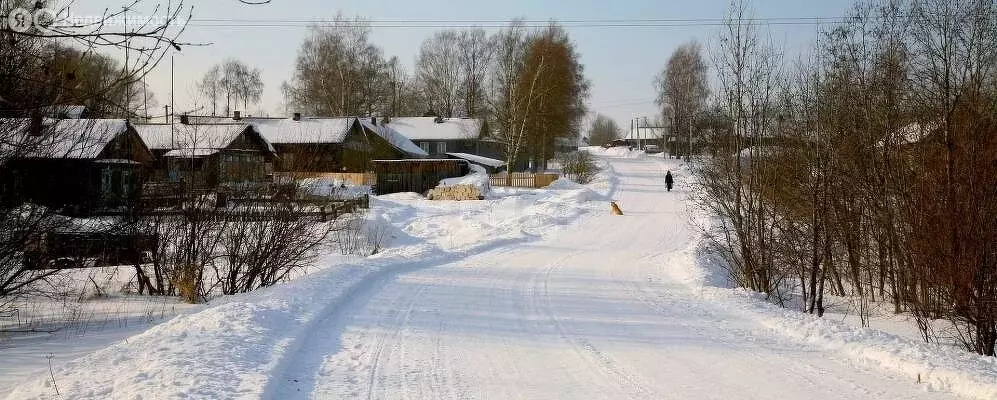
318,145
451,138
438,136
75,166
208,155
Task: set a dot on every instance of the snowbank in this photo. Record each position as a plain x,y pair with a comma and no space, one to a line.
624,152
937,367
335,188
477,178
238,344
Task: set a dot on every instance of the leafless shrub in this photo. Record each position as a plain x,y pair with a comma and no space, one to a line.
359,236
579,166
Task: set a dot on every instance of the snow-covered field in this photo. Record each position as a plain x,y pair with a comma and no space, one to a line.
536,294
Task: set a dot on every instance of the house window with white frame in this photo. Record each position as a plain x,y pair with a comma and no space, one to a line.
441,148
424,146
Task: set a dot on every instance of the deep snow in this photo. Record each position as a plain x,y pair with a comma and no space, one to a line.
531,294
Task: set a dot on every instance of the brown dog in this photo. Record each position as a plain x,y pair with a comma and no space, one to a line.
616,208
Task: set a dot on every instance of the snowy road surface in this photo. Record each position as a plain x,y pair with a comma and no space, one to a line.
598,311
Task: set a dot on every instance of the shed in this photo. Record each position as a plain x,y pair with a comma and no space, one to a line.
419,176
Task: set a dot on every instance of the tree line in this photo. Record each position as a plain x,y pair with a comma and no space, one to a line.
528,85
865,170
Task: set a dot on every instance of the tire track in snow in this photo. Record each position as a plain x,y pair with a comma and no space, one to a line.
401,322
605,364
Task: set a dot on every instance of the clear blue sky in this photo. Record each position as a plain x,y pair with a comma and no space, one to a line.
621,62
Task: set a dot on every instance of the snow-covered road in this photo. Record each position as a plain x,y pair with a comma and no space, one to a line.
602,310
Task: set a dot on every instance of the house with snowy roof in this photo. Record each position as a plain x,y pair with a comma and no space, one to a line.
450,138
438,136
72,165
208,154
321,144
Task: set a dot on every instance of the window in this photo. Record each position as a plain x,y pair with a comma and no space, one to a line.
441,147
424,146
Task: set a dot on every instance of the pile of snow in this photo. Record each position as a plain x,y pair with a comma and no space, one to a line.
623,152
478,177
335,188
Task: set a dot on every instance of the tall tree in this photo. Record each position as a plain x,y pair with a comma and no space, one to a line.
210,87
234,80
683,88
338,71
560,91
538,91
439,67
476,51
602,130
508,102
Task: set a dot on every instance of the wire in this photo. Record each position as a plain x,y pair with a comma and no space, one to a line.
485,23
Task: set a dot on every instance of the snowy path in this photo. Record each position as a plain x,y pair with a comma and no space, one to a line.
598,311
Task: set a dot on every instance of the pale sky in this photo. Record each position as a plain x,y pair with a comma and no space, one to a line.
620,61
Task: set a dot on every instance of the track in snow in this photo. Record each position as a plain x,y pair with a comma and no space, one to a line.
587,313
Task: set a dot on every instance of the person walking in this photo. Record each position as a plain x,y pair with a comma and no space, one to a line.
668,180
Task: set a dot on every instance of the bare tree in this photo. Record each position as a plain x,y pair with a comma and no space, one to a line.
40,71
603,130
210,87
747,72
337,71
476,52
683,89
440,71
234,80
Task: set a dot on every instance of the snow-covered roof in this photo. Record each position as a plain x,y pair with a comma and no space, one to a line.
489,162
394,138
184,139
426,128
289,131
305,130
61,138
191,153
915,132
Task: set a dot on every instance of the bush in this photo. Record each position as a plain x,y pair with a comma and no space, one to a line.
579,166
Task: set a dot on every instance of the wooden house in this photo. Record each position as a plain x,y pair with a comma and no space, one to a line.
438,136
76,166
313,144
209,155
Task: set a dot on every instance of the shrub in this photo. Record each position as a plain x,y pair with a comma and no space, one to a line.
579,166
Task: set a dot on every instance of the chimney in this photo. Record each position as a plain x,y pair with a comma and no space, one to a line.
237,115
373,121
35,129
297,116
185,119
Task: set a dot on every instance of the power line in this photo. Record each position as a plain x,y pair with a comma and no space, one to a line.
498,23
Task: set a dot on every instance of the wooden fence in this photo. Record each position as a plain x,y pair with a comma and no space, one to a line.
357,178
524,180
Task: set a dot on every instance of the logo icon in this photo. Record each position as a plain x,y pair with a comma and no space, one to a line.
20,20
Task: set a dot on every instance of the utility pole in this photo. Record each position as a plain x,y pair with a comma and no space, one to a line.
646,125
688,157
630,133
